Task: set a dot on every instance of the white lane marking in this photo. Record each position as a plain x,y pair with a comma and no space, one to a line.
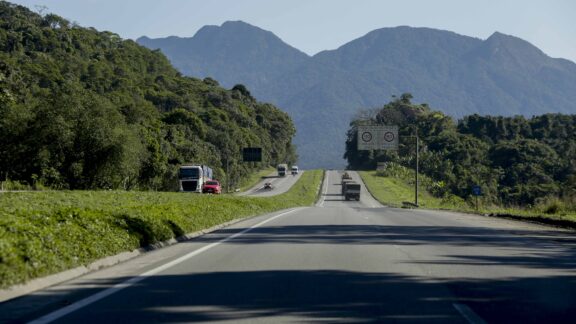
468,314
130,282
325,191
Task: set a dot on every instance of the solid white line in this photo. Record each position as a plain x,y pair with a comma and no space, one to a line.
125,284
469,314
325,191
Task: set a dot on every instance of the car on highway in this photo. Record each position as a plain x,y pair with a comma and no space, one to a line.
212,186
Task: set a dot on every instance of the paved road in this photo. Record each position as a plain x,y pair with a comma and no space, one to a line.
279,185
350,262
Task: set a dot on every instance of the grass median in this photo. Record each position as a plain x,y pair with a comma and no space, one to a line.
393,192
396,192
42,233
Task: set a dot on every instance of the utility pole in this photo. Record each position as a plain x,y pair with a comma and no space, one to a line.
417,158
228,173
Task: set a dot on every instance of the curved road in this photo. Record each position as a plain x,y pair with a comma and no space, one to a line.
340,261
279,185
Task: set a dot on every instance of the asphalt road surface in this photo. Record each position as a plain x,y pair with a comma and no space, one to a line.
279,185
340,261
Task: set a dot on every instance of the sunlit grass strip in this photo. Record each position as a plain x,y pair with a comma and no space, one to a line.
42,233
393,191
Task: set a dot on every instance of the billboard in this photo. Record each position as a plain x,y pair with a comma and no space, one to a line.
252,154
377,137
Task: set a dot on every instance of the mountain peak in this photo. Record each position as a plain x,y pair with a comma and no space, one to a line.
234,27
216,51
514,45
247,39
237,23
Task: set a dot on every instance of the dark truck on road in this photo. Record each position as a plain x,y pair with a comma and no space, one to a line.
351,190
343,183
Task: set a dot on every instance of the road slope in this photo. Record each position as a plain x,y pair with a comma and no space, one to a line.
280,185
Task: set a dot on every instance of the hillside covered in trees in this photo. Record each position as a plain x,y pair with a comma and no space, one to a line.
516,161
458,74
83,109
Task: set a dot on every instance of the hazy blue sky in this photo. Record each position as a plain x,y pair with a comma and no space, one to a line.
316,25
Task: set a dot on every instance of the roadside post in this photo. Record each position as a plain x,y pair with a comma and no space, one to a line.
417,166
476,191
417,169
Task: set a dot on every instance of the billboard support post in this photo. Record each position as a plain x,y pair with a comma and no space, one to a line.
417,158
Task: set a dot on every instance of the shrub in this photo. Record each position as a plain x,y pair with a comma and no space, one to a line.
550,205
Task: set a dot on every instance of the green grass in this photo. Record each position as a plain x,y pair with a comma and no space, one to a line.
42,233
392,192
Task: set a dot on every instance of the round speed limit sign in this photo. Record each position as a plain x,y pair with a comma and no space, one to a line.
389,136
366,136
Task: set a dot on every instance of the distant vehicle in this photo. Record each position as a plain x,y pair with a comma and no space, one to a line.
352,191
344,183
268,186
346,176
282,168
191,178
294,170
212,186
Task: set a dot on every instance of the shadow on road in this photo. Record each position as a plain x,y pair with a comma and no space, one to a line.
347,296
327,296
545,249
273,177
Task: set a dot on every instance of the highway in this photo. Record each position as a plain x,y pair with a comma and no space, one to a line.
337,262
279,185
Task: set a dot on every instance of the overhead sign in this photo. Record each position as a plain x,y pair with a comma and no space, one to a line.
377,137
252,154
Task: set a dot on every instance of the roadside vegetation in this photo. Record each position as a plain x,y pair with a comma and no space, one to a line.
519,163
46,232
82,109
398,190
395,187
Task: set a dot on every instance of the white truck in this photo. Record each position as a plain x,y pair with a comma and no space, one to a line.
193,177
295,170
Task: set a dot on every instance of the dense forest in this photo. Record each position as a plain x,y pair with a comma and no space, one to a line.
516,161
83,109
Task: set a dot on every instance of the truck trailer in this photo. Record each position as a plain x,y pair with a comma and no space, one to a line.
351,190
282,169
192,177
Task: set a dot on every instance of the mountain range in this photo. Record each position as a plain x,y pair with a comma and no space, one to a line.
455,74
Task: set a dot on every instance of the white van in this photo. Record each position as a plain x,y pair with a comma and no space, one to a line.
294,170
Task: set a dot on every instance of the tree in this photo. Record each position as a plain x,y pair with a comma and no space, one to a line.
84,109
529,169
